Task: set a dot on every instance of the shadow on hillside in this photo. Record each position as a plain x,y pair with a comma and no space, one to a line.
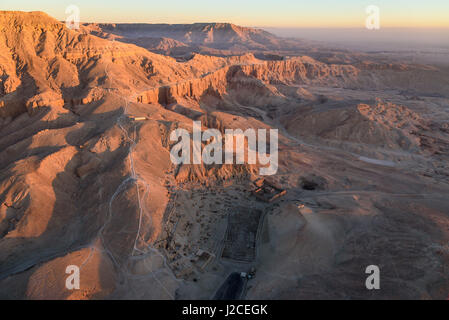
80,208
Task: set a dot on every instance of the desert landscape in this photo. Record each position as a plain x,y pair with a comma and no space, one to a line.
86,177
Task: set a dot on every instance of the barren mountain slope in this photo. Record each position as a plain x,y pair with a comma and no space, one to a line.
44,63
206,38
215,35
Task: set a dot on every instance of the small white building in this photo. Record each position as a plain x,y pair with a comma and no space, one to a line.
138,118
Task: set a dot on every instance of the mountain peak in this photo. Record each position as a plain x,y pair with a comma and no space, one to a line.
16,18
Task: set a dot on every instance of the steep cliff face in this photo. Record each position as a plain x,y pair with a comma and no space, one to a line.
42,63
298,71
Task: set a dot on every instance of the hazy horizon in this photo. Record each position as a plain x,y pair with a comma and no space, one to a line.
327,13
373,40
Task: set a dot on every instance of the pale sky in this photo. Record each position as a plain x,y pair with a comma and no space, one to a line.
262,13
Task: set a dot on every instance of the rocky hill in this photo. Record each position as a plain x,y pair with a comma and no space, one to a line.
213,38
215,35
